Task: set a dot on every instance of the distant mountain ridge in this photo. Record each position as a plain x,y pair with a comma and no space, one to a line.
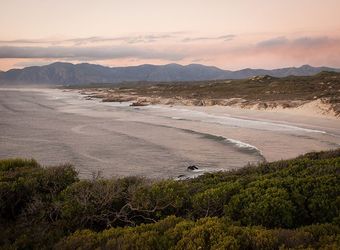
61,73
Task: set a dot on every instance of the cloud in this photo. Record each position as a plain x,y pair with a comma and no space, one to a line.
126,50
207,38
106,48
125,39
312,41
296,42
273,42
286,51
88,53
26,41
131,39
31,63
87,40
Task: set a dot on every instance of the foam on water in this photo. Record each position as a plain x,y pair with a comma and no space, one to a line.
231,121
241,144
192,115
56,125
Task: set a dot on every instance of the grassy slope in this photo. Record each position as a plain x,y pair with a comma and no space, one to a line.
324,85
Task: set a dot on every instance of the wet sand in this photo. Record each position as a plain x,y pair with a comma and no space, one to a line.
158,141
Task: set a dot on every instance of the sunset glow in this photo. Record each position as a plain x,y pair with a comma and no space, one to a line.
228,34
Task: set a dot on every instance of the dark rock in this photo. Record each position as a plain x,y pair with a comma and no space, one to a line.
136,104
192,167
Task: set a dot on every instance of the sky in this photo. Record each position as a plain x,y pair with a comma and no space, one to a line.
230,34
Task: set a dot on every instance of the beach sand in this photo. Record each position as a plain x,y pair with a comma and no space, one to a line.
158,141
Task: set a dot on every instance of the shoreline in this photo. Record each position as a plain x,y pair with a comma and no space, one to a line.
157,140
326,124
318,108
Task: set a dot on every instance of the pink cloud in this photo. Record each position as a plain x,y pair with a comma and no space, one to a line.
236,53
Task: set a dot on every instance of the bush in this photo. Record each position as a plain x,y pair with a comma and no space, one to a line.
292,204
207,233
211,201
23,181
271,207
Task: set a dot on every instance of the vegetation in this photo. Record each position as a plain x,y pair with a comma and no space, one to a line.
263,91
324,84
265,88
291,204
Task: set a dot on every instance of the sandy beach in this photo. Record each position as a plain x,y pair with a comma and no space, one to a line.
250,123
294,131
160,141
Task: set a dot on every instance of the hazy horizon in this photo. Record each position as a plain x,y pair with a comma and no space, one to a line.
49,63
227,34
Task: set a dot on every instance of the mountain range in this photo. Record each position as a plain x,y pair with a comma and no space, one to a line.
61,73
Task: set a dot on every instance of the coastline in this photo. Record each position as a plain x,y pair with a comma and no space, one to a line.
320,108
314,116
156,140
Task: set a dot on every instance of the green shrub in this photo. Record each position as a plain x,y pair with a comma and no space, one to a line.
291,204
268,207
211,201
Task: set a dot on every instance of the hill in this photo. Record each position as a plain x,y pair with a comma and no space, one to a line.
291,204
72,74
261,92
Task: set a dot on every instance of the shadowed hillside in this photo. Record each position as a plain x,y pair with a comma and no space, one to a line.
84,73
